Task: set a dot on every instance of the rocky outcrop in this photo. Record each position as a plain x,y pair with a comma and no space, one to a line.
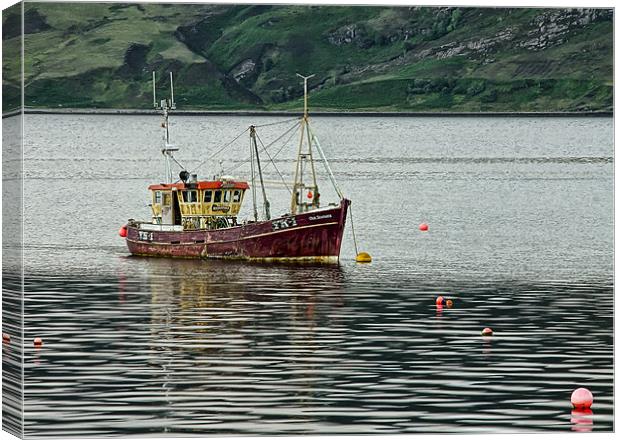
244,69
351,34
552,27
478,47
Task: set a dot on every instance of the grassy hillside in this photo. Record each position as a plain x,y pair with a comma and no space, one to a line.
379,58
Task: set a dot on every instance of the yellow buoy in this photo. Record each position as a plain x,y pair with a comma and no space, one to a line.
363,257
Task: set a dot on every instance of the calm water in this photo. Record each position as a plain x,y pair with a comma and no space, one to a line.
521,239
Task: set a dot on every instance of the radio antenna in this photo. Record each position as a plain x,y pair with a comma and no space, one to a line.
165,106
305,78
154,97
172,104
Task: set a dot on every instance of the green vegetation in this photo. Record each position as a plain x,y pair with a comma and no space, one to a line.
364,58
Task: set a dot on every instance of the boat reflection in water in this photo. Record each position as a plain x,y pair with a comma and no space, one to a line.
227,306
223,339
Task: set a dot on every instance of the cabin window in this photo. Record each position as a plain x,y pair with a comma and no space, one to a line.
226,196
165,199
218,196
190,196
236,196
208,196
157,197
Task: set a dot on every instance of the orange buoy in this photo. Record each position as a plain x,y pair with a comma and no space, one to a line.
487,332
38,342
6,338
423,227
123,231
581,398
439,300
449,303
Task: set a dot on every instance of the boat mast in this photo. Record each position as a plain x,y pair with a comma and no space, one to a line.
300,189
260,175
165,106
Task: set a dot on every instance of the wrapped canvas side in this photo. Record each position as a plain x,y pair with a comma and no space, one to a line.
12,216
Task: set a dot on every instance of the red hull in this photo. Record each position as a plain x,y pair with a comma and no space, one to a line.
311,236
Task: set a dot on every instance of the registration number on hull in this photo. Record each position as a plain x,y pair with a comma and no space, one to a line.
283,223
145,236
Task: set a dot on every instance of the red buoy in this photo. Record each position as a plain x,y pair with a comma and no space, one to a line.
38,342
581,398
439,300
123,231
423,227
309,195
487,331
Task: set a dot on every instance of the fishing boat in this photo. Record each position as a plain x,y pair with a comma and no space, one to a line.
194,218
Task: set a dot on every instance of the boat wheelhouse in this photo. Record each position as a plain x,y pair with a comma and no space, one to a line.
205,204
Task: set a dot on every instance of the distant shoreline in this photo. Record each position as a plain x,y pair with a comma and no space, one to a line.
96,111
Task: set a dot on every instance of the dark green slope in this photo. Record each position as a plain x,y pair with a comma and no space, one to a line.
364,58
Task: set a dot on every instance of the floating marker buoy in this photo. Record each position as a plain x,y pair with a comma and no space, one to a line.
581,398
439,300
449,303
123,231
38,342
6,338
363,257
487,332
309,195
423,227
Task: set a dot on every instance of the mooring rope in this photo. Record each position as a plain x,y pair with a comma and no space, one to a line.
353,229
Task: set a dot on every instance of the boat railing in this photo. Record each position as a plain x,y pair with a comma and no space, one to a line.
148,226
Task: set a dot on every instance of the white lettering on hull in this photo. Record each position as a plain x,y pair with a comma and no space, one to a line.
319,217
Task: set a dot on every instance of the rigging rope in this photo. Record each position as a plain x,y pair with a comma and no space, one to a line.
285,142
273,163
231,142
291,129
219,151
277,123
271,158
177,162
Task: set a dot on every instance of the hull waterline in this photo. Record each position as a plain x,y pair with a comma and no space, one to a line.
314,236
